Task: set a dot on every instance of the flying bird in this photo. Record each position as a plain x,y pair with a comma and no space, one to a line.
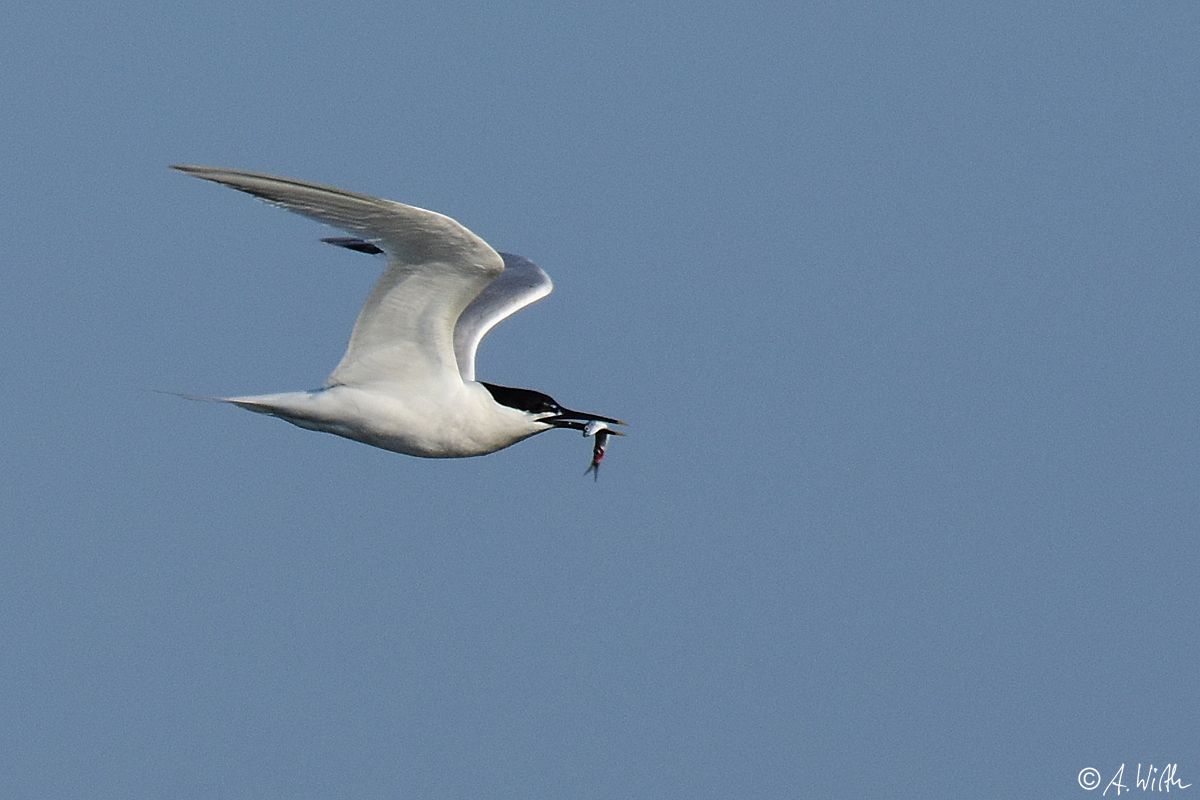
407,380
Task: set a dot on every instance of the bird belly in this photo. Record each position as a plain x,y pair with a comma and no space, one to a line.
455,422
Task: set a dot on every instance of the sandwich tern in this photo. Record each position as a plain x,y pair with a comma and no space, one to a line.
407,380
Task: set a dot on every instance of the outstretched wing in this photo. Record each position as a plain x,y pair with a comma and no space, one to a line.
436,268
522,283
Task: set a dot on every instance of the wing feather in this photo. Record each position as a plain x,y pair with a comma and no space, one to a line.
436,268
521,284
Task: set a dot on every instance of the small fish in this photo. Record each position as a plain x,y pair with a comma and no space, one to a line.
601,431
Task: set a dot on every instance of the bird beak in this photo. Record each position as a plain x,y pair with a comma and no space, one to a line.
576,420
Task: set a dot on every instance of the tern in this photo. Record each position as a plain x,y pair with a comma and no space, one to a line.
407,380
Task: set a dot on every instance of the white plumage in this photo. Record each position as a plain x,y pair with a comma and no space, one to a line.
407,380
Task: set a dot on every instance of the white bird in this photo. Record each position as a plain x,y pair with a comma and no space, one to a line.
407,380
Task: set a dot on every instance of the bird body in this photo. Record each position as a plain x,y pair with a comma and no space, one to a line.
431,421
407,380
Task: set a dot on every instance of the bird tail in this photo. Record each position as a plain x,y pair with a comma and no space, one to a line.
261,404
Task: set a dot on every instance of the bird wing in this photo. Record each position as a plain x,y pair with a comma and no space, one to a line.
436,267
521,284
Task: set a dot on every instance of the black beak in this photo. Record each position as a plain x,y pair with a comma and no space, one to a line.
576,420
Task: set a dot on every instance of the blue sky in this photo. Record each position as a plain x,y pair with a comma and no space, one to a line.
901,302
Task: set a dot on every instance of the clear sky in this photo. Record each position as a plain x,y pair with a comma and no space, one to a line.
901,301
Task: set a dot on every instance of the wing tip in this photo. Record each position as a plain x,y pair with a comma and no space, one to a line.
193,169
353,243
225,177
